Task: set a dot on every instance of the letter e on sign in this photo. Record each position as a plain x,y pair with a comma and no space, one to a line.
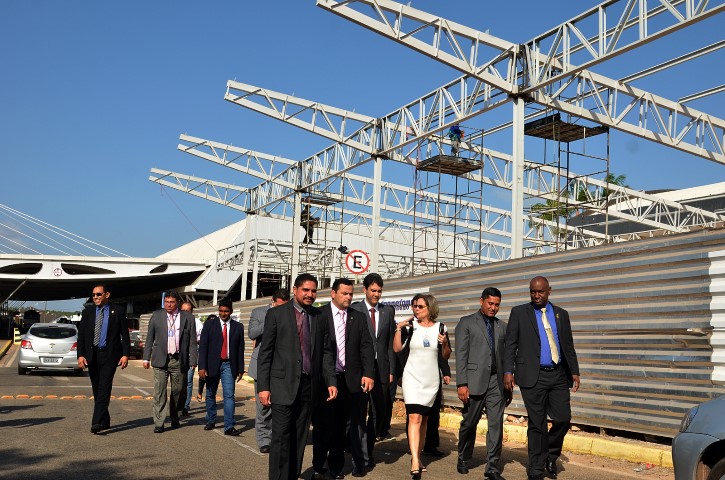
357,262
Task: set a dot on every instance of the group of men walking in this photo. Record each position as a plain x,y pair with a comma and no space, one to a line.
334,367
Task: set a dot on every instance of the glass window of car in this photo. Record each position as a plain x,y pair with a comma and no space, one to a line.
55,332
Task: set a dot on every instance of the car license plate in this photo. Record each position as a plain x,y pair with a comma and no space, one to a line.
50,359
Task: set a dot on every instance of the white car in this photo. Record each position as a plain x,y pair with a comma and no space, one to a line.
49,346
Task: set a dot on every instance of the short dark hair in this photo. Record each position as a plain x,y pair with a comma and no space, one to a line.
102,285
189,304
225,302
173,294
305,277
371,278
490,292
341,281
281,294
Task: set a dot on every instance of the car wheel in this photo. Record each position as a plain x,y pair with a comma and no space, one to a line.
22,370
718,471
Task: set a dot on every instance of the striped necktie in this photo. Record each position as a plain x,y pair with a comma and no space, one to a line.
99,327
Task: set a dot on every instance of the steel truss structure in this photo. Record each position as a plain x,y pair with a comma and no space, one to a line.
552,70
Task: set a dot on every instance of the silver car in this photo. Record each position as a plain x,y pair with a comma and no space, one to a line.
698,451
49,346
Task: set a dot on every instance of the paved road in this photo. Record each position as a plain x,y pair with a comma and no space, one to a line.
45,423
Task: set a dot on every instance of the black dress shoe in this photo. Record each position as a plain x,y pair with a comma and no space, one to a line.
95,428
550,467
433,452
358,472
493,476
264,449
185,412
233,432
462,467
159,429
370,464
338,475
209,426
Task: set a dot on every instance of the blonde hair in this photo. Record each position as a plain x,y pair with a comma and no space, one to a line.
430,302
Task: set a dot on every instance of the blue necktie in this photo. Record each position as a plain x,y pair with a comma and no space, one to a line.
491,341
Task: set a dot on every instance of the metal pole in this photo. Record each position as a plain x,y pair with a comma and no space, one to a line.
295,267
517,180
248,225
377,186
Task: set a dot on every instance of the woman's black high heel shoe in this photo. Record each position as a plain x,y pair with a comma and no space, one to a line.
414,474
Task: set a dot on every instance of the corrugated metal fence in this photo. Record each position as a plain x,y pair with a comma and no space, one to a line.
642,313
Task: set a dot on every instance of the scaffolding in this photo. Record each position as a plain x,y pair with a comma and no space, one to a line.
556,199
448,204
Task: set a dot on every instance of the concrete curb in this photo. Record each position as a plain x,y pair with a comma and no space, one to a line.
4,347
601,447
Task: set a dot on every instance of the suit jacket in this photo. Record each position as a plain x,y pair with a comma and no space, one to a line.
210,347
359,350
473,353
256,329
155,348
279,362
523,345
118,342
383,340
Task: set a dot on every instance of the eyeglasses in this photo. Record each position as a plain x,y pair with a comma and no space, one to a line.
98,294
419,306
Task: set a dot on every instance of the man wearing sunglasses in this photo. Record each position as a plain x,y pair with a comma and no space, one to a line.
103,345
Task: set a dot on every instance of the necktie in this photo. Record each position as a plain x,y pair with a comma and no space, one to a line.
491,340
340,335
99,327
550,337
225,354
171,347
372,319
303,330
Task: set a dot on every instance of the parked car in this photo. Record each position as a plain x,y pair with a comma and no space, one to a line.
698,451
136,344
49,346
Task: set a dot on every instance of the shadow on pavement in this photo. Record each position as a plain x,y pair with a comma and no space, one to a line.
28,422
15,408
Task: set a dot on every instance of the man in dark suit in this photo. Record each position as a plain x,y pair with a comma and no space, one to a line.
263,419
540,358
221,358
295,363
103,345
380,320
354,368
171,349
479,377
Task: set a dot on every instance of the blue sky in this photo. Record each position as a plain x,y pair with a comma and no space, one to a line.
94,94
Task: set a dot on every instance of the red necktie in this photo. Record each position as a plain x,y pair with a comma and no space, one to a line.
372,318
225,354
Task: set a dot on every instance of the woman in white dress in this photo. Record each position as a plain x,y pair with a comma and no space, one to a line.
422,338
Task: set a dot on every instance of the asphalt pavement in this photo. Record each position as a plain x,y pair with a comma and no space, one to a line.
45,434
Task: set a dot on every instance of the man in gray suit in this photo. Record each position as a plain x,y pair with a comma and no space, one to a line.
171,349
381,325
263,420
479,377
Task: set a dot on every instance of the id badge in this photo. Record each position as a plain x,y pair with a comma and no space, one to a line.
426,342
